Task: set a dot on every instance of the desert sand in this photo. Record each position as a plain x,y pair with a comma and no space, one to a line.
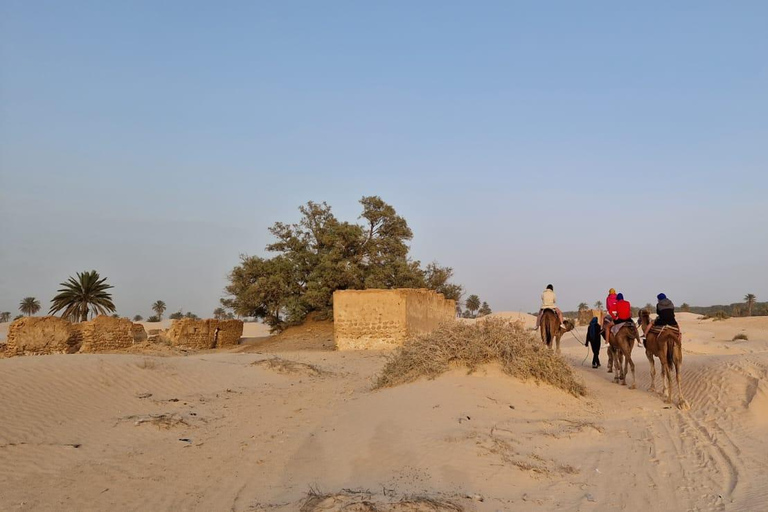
240,430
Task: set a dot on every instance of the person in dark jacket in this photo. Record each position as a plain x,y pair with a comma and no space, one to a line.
593,338
665,313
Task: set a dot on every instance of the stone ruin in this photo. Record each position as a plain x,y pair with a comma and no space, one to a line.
204,334
382,319
54,335
42,335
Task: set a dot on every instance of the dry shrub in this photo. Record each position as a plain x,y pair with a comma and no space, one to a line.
741,336
286,366
364,501
472,345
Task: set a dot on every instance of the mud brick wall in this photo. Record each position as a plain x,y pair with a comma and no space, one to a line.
41,335
201,334
104,333
230,332
383,319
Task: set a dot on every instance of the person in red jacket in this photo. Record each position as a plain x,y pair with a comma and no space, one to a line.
623,313
610,303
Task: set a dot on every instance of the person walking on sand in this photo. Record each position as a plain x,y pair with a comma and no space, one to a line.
549,301
593,338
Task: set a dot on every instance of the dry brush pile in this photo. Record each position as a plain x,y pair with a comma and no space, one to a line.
460,344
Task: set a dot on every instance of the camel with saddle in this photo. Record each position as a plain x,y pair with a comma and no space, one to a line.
620,345
664,342
551,329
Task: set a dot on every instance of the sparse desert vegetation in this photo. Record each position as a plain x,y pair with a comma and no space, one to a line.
470,346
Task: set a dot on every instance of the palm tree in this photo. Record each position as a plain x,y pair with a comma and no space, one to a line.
599,304
472,304
29,306
583,306
750,300
83,296
219,314
138,318
159,308
5,316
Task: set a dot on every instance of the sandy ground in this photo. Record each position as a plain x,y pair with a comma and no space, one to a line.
213,431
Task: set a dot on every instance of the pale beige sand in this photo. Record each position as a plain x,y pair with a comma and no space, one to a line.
77,433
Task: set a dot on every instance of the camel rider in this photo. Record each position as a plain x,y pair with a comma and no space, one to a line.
665,314
610,303
549,301
623,314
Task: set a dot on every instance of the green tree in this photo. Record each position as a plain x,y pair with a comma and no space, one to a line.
319,255
153,318
138,318
84,295
750,299
191,315
29,306
5,316
175,316
685,307
438,278
599,304
159,308
583,306
472,305
485,310
219,314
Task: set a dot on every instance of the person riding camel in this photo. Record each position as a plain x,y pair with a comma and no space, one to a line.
665,314
549,301
610,303
623,313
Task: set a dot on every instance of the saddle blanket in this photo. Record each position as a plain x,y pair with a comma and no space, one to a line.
658,329
618,326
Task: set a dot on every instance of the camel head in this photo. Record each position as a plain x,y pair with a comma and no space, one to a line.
645,317
569,324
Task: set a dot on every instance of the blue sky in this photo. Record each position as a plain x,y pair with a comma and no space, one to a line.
584,144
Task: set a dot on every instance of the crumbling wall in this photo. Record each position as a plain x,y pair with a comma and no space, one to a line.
382,319
41,335
230,333
105,333
426,309
204,334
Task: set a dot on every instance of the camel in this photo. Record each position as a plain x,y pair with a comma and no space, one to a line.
622,344
550,328
608,349
664,343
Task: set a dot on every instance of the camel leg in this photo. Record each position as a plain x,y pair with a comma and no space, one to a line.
610,359
557,340
625,366
652,387
632,368
682,403
617,361
667,379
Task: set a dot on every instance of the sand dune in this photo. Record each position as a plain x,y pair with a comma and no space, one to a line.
214,431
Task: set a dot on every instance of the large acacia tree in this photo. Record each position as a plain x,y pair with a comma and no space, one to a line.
321,254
